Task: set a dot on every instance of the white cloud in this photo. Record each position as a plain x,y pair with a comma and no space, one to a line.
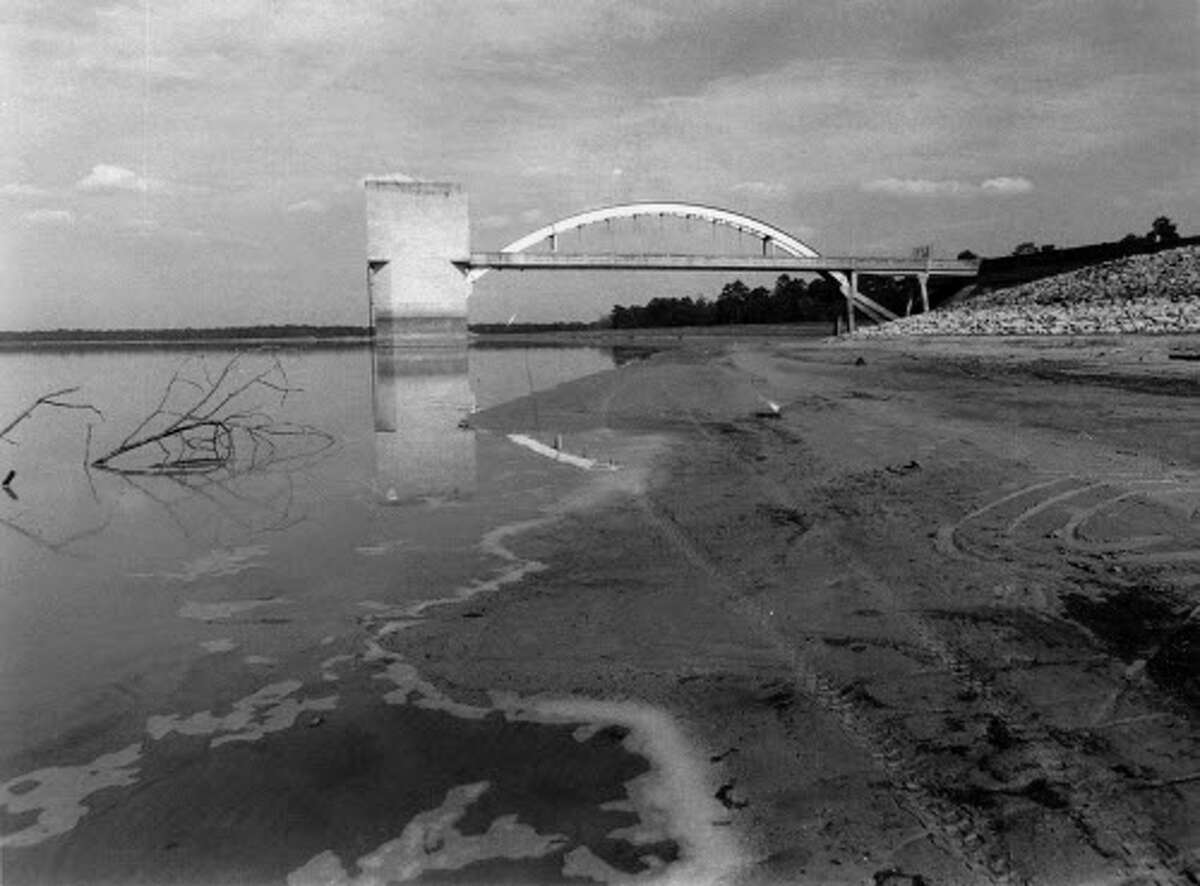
767,190
529,216
107,179
918,187
310,205
1007,185
49,217
17,189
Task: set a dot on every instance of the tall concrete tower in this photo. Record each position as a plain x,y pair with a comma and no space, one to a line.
415,231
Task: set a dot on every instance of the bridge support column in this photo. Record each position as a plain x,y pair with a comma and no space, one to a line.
851,294
416,230
923,282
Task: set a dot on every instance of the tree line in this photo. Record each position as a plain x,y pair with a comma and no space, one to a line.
790,300
1163,234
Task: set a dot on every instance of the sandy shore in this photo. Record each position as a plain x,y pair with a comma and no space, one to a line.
935,621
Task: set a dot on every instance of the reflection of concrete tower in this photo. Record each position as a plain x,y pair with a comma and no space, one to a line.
415,232
420,397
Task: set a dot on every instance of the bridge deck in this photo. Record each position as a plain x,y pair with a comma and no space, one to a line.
749,263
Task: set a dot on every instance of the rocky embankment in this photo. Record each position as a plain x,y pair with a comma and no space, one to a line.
1157,293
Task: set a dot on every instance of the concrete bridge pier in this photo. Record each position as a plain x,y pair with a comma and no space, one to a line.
416,231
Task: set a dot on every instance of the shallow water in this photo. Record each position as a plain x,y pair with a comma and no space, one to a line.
193,688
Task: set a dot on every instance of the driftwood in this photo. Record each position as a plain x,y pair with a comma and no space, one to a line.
51,399
214,426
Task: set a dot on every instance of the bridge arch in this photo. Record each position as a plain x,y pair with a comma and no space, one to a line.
767,232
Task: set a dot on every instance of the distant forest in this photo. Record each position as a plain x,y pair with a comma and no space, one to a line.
220,333
790,300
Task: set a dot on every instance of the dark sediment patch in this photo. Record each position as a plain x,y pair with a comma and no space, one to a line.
256,811
1145,624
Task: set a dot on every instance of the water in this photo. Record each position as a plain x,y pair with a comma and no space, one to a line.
195,684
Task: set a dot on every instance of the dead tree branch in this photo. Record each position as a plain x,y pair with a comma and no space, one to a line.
215,426
51,399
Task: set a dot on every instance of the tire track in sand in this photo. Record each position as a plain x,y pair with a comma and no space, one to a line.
1096,809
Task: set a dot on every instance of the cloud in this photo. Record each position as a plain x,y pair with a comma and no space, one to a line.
150,227
310,205
767,190
49,217
1007,185
529,216
493,222
921,187
917,187
17,189
106,179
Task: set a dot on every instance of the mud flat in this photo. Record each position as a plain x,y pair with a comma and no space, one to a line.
933,617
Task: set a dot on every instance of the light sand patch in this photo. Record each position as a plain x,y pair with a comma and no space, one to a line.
58,793
270,709
381,548
673,801
217,562
327,666
567,458
582,862
215,646
513,569
431,842
260,660
225,609
410,683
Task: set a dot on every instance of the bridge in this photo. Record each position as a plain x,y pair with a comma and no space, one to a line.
420,268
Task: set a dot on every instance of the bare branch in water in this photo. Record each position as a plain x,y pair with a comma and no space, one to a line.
60,545
51,399
220,428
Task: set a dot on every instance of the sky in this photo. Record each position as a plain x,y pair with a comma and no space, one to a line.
199,162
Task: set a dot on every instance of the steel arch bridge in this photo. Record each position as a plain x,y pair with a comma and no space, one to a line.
799,256
421,268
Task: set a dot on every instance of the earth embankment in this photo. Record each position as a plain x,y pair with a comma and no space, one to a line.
1158,294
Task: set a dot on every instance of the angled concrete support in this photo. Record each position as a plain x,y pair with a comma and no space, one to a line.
923,280
416,230
851,297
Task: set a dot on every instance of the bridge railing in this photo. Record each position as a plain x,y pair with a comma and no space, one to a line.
878,265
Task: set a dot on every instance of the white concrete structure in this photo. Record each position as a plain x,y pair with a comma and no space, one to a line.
416,232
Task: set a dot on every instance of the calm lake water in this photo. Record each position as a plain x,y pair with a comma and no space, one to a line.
174,627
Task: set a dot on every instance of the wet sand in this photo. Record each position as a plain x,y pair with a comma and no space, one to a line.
936,619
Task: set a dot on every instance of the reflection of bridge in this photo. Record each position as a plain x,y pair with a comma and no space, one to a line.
418,241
